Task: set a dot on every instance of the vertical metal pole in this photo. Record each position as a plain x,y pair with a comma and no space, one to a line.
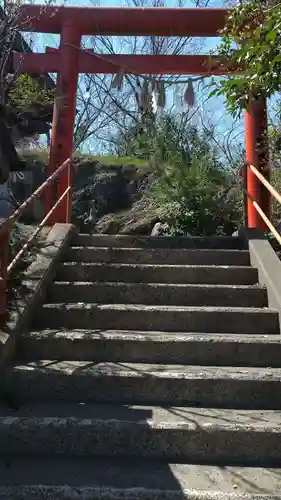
63,120
257,155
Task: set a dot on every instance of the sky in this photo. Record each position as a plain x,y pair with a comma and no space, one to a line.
213,109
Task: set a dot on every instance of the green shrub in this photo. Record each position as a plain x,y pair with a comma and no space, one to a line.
193,191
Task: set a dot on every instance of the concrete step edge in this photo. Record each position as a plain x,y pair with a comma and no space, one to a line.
207,442
38,492
147,370
157,337
153,294
80,306
206,349
134,316
133,383
115,425
145,256
164,286
119,236
109,265
142,476
156,250
160,241
157,417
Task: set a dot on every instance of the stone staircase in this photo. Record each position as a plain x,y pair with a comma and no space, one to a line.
153,371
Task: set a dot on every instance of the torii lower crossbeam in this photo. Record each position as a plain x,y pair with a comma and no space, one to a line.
90,63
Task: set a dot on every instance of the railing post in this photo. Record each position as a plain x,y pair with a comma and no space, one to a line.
63,121
257,155
4,261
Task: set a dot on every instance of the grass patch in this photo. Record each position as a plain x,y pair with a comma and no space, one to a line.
42,156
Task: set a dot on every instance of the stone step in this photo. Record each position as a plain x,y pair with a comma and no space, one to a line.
148,347
151,415
163,318
158,293
147,273
127,241
81,381
85,478
172,434
158,256
38,492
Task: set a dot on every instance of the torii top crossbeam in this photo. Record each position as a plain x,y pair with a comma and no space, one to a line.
156,21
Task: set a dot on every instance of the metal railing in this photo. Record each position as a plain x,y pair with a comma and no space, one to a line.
272,191
7,267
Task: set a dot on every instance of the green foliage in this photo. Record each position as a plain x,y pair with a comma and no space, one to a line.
251,41
276,207
194,200
26,94
192,191
172,138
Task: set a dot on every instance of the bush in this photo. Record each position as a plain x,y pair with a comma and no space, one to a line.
192,190
191,200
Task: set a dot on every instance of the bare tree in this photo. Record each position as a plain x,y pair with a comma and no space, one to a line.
102,112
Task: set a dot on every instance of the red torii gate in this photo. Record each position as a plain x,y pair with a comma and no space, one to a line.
70,60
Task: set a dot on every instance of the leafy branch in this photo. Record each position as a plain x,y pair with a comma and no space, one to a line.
251,40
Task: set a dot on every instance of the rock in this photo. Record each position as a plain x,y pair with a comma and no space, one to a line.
160,229
142,223
241,232
108,198
163,229
108,188
101,193
139,219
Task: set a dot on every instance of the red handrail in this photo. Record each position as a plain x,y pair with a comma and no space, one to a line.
248,196
6,267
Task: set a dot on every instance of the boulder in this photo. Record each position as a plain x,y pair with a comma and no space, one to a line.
108,198
160,229
139,219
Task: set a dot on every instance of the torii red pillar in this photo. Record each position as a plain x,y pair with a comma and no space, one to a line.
257,155
63,120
